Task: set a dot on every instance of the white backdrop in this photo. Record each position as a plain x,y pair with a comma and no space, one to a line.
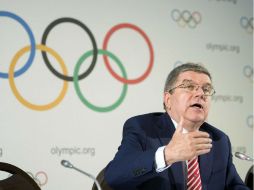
215,33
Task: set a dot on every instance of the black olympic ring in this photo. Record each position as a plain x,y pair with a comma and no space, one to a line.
95,49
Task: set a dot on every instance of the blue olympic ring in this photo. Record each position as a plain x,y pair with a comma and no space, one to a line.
32,41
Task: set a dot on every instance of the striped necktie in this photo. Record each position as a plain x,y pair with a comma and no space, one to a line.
193,180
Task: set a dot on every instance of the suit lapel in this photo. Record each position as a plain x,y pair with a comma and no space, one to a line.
179,172
205,163
165,128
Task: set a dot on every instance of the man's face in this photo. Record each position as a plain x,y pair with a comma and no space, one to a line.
193,106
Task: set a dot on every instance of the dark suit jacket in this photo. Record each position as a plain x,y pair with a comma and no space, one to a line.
133,166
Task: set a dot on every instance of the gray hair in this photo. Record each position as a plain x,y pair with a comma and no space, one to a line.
173,75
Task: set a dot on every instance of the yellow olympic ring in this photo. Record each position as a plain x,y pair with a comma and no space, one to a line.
13,86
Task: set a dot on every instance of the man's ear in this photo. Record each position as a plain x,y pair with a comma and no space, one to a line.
167,99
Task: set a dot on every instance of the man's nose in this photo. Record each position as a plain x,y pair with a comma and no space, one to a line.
199,91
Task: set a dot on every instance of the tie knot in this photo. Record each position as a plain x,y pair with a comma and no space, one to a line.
193,160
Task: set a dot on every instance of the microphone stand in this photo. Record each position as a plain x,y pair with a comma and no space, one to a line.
67,164
249,176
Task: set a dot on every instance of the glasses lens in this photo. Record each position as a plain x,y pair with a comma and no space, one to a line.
208,90
190,86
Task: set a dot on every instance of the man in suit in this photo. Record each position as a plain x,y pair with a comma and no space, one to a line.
176,150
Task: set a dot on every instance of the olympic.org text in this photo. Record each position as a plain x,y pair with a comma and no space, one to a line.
223,48
1,152
227,98
72,151
228,1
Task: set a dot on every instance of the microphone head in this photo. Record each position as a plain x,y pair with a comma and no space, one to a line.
66,164
242,156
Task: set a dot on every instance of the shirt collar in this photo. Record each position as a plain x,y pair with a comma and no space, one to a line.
176,124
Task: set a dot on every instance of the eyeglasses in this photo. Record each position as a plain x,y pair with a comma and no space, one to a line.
191,86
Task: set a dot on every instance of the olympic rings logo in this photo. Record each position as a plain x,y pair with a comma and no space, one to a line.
40,177
186,18
249,121
76,76
247,24
248,72
178,63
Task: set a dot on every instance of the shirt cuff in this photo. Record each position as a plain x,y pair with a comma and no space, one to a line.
160,164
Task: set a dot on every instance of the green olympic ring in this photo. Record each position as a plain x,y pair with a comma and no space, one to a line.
77,88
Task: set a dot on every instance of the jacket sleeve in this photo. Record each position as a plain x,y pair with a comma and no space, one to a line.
133,164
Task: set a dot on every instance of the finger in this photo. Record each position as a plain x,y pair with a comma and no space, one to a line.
202,140
200,134
203,146
204,151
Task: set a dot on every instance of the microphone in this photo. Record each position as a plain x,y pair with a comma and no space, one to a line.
67,164
243,156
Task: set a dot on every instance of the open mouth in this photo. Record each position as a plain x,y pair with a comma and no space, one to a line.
197,105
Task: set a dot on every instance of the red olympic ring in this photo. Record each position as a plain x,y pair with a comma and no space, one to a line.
112,72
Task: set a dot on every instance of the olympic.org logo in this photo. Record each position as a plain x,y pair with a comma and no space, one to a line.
228,1
76,77
41,178
247,24
248,72
186,18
